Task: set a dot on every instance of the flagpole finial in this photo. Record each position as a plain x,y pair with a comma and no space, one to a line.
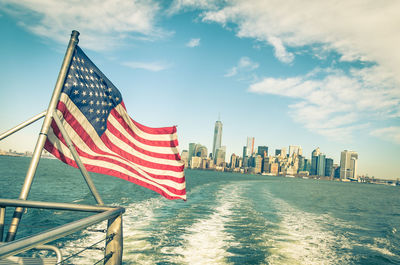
75,35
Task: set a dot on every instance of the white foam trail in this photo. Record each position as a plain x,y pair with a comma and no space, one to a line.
302,239
207,241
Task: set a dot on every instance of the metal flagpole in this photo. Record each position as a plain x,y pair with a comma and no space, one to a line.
78,160
43,135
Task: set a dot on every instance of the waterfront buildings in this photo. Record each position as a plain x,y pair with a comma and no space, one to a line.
257,160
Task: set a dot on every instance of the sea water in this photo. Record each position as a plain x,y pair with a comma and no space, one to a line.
228,218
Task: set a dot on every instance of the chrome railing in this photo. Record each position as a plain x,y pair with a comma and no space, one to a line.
114,245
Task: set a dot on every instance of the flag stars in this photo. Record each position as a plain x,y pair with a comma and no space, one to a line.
84,93
75,84
91,93
76,92
91,102
98,111
91,110
84,101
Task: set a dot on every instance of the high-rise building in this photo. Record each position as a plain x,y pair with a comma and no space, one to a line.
191,151
233,160
348,164
185,157
321,165
217,137
200,151
329,167
250,146
262,151
278,152
283,152
314,161
244,151
294,149
220,155
257,164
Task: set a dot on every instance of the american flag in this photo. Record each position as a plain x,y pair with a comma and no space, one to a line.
107,140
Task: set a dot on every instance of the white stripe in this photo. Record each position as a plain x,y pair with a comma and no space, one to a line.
141,169
75,112
142,134
64,149
124,146
154,149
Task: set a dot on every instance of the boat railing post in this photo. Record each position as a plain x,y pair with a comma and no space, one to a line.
43,135
114,242
2,216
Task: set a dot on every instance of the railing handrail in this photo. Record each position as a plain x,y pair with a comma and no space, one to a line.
24,244
54,205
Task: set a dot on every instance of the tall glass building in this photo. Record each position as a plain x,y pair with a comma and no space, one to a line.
217,138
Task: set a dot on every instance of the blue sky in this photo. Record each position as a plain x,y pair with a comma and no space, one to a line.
316,73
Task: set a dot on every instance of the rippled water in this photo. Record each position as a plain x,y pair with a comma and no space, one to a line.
228,218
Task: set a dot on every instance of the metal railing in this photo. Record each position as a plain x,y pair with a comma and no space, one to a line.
114,245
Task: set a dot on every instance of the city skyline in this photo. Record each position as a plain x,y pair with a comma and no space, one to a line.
287,74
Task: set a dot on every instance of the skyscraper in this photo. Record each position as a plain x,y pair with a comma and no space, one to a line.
262,151
321,165
348,164
250,146
329,167
314,161
217,138
294,149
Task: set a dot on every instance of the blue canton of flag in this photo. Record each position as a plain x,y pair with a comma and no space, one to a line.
91,91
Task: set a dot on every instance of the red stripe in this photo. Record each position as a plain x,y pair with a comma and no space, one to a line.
119,135
91,144
116,149
120,119
82,153
111,172
93,168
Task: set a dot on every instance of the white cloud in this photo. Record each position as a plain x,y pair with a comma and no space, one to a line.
391,134
356,29
245,64
193,43
338,103
104,24
149,66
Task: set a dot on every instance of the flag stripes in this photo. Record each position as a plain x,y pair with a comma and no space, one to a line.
146,156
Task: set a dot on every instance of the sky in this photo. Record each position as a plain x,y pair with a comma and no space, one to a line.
310,73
